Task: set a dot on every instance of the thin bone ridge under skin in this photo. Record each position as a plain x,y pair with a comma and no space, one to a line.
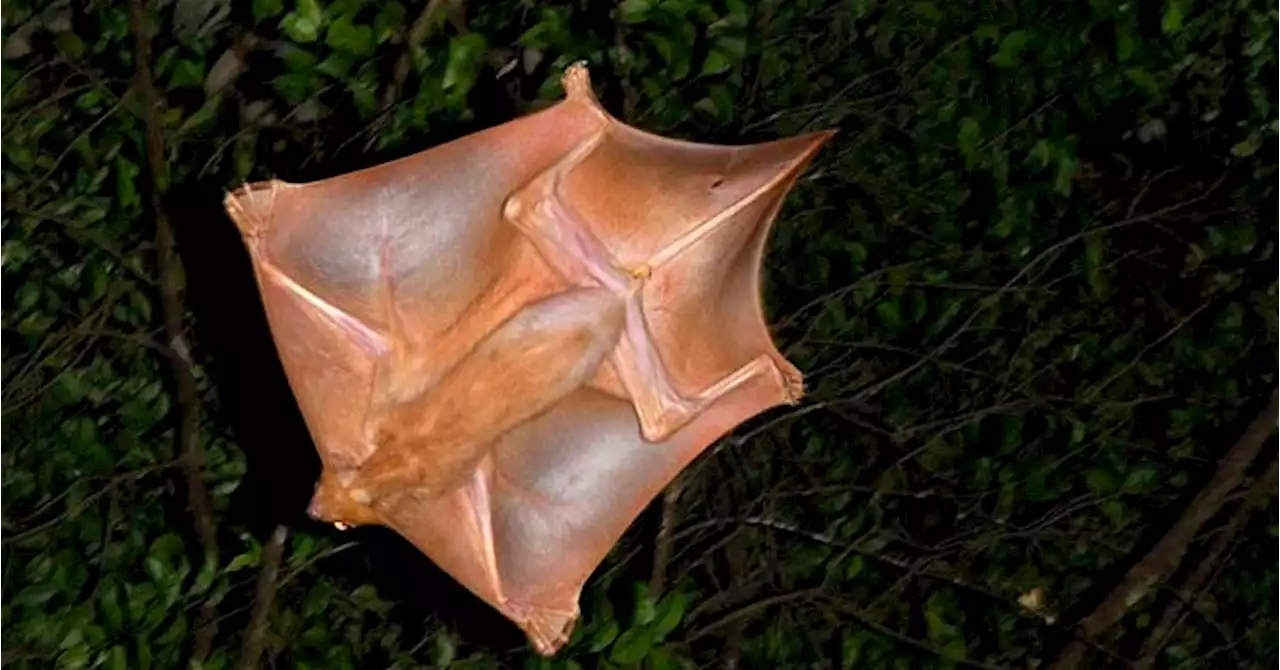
565,241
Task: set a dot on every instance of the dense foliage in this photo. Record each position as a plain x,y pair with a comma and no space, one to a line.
1032,283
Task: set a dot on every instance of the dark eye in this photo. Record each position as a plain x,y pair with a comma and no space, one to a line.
719,181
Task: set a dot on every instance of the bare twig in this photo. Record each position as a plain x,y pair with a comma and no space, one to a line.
431,16
983,305
255,633
316,559
30,397
749,608
170,274
854,548
854,613
1164,557
630,97
71,146
83,235
1093,393
65,341
113,481
662,540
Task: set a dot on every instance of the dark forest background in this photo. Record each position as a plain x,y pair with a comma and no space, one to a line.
1032,283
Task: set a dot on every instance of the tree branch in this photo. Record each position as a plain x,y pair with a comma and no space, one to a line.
852,612
434,13
1194,585
113,482
170,278
1164,557
749,608
255,633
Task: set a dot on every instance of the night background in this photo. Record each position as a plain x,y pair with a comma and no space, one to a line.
1032,285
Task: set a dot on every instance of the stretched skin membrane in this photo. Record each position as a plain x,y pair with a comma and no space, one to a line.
504,347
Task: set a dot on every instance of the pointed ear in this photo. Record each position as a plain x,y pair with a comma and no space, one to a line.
250,206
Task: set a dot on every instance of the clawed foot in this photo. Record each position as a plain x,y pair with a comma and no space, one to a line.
577,81
548,629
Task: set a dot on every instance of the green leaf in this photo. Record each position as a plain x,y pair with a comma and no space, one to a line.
143,648
175,632
205,116
736,14
109,607
632,646
853,567
1140,480
604,637
364,92
299,29
635,11
987,32
156,570
1066,171
446,650
968,137
716,62
1125,43
1103,481
301,548
140,306
266,9
296,58
1011,49
889,313
851,649
77,656
204,579
337,65
126,182
36,596
389,20
70,44
365,596
734,47
463,66
550,30
117,658
645,610
82,434
296,87
1171,22
312,11
719,104
927,11
304,23
89,101
1143,80
1115,511
354,39
186,74
28,295
857,253
675,49
670,611
1040,153
1246,147
242,561
940,630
